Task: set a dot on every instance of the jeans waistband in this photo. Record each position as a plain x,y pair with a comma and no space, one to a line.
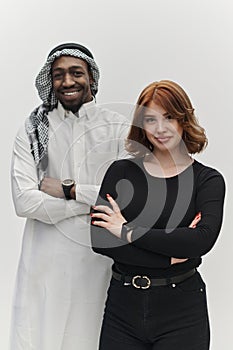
144,282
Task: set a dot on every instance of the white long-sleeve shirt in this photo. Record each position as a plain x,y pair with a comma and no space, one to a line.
61,283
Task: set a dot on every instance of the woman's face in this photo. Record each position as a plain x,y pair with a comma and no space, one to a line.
162,130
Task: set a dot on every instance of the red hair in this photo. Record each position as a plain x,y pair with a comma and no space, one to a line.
176,102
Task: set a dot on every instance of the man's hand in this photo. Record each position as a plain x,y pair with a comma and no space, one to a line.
52,187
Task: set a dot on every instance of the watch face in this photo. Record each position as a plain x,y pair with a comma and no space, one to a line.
68,182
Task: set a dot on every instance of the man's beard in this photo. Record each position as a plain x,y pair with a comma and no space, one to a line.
72,108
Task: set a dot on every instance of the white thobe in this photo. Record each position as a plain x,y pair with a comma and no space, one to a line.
61,283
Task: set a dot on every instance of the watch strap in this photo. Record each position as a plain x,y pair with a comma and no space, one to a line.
66,190
124,232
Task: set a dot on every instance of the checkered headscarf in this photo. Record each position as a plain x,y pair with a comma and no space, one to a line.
37,125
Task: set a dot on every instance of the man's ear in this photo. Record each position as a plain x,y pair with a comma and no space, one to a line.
91,82
90,77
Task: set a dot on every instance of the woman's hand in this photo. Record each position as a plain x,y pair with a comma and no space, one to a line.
177,261
192,225
111,219
195,220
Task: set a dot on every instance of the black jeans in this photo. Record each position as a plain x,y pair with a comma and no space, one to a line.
159,318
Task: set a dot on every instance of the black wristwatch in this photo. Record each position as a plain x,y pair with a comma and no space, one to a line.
67,184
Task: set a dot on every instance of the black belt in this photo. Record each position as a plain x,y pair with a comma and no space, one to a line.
144,282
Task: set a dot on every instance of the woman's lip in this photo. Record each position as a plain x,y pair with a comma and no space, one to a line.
163,139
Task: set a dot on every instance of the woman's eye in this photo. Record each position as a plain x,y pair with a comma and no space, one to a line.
169,117
149,120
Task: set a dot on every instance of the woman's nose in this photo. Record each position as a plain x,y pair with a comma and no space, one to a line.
161,126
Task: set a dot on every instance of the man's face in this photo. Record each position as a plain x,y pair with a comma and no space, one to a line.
71,82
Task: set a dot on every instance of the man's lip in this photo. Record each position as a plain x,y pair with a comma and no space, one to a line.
69,92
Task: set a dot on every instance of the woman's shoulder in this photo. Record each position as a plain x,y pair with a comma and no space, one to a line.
126,167
127,162
206,172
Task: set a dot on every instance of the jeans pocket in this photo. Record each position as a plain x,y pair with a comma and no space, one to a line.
193,284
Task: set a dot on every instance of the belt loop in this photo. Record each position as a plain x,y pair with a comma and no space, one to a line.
123,277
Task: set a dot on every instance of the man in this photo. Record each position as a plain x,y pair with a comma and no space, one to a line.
59,159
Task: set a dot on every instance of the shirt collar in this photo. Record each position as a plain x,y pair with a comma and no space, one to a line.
85,110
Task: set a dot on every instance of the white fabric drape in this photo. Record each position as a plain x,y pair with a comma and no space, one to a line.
61,284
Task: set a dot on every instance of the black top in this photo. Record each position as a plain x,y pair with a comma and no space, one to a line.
160,210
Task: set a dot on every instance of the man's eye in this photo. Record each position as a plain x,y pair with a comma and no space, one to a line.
77,74
57,76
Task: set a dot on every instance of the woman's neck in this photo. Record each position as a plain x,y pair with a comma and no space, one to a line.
166,164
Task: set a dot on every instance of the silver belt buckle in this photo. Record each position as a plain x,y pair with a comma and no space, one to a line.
134,282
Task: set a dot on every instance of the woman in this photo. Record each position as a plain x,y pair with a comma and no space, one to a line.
143,219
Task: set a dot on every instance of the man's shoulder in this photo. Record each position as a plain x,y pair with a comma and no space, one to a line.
21,132
110,114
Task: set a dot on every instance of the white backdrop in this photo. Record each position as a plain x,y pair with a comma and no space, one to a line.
134,43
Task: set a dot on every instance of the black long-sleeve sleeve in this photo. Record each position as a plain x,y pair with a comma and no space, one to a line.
120,182
185,241
161,210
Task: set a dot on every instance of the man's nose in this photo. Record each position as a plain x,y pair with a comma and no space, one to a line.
68,80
